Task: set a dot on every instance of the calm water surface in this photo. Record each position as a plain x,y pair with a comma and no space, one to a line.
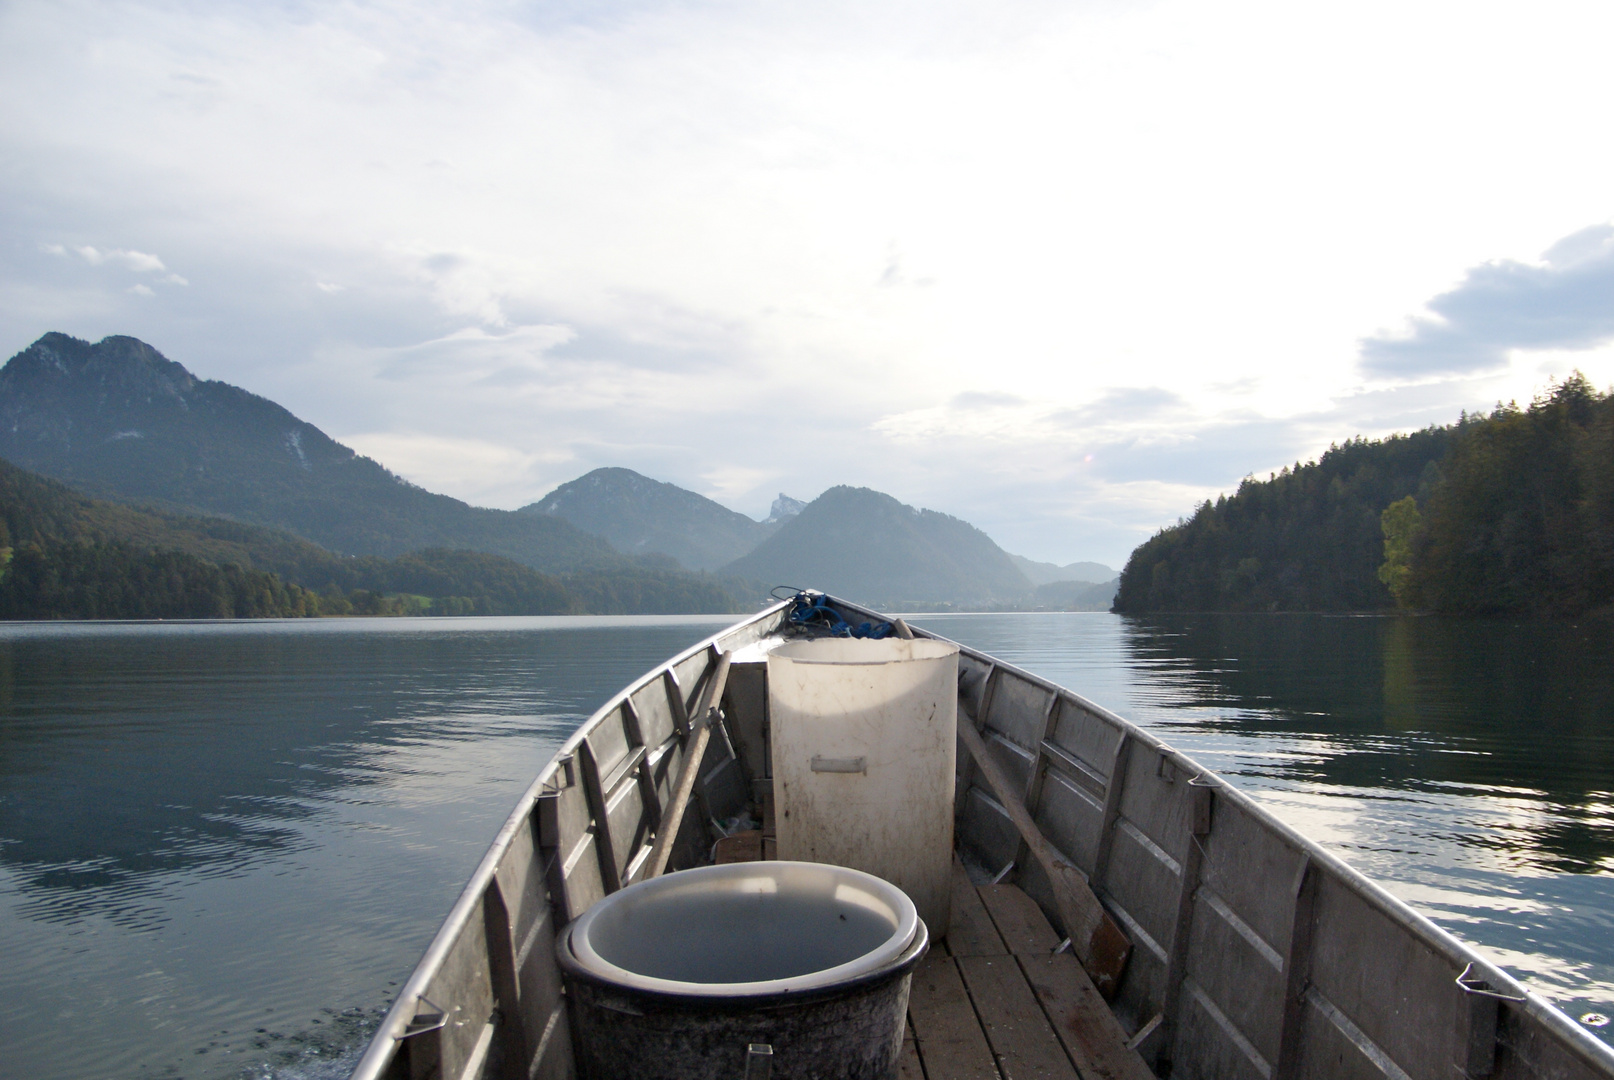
223,846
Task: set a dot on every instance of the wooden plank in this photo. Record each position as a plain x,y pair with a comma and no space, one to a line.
949,1038
738,847
1090,1033
971,932
1099,942
1026,1047
1025,929
908,1067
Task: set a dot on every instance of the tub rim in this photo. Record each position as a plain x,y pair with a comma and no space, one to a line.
896,951
574,974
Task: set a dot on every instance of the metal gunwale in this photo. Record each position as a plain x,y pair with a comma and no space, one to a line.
396,1022
1590,1050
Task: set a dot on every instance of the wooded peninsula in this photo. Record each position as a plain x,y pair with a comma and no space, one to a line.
1506,514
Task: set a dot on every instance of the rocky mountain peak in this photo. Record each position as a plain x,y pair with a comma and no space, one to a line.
784,508
642,516
117,369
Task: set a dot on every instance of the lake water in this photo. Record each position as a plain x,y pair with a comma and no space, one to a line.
224,845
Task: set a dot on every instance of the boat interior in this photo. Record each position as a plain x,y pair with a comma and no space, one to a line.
1115,910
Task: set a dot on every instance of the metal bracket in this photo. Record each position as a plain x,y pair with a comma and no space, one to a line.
1473,984
426,1021
1200,803
1145,1031
1476,1048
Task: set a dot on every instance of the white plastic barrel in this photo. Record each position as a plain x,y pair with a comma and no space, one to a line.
863,742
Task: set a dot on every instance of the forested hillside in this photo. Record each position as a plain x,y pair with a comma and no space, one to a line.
1306,539
1523,520
63,555
640,516
118,420
1511,512
114,580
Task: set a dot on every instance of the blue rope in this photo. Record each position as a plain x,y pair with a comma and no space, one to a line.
811,611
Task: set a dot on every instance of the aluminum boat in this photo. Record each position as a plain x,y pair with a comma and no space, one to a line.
1117,910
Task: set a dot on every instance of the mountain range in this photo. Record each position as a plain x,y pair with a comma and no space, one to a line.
1047,573
860,543
640,516
46,524
118,421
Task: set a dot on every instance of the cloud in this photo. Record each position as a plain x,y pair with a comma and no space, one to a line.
472,354
504,473
1564,302
1128,404
654,233
138,261
985,399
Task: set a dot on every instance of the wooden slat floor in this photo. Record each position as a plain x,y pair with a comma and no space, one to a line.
992,1001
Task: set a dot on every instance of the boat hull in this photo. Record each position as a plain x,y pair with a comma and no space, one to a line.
1254,952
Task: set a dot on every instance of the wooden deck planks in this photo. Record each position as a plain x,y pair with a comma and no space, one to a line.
951,1044
972,932
993,1002
1023,926
1088,1030
1086,1027
1025,1046
908,1067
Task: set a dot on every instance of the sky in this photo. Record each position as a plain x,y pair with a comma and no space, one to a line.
1063,270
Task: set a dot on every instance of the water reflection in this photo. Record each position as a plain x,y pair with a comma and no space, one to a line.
1520,714
234,837
1464,764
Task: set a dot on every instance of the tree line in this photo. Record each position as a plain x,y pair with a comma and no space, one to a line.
65,556
1510,513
